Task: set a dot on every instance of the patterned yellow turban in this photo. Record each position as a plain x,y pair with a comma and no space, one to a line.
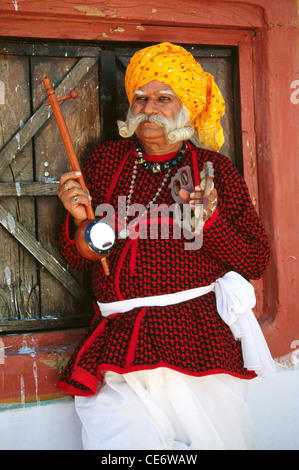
196,89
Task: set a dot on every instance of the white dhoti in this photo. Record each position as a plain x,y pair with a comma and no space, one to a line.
162,409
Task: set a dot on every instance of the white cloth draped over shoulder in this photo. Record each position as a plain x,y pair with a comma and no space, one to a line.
235,300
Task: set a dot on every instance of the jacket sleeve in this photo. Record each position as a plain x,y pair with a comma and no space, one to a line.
68,248
236,236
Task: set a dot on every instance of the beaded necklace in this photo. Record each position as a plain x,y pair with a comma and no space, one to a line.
156,167
153,167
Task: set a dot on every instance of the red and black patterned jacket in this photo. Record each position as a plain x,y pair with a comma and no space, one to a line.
189,337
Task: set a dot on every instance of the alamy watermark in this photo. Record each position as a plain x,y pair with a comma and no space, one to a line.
295,354
295,94
146,221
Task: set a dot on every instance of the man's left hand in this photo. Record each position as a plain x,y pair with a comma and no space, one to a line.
196,198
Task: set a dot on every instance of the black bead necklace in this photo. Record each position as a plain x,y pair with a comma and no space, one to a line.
156,167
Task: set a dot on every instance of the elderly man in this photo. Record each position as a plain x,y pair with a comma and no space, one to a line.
166,359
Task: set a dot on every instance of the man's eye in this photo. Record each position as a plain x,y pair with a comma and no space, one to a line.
164,98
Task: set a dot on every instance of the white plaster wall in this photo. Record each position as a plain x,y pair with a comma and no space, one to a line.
49,425
274,405
54,425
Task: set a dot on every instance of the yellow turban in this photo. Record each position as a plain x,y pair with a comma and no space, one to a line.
196,89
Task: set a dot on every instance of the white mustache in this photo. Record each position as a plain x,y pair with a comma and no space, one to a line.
171,126
159,120
127,128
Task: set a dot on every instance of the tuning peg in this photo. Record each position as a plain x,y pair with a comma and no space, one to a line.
73,94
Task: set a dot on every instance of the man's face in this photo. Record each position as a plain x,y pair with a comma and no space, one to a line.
154,98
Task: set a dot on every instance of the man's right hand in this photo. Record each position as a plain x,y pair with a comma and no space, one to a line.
73,197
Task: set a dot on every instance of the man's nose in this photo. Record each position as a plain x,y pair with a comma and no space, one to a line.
150,107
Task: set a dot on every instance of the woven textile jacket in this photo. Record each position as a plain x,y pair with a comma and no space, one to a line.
189,337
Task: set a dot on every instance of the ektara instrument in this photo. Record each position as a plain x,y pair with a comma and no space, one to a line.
94,239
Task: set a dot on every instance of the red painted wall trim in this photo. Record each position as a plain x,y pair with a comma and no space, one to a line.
206,13
111,31
32,364
276,67
266,33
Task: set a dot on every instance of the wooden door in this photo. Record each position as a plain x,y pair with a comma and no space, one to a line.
38,291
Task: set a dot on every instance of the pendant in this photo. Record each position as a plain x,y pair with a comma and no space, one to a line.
156,168
124,233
